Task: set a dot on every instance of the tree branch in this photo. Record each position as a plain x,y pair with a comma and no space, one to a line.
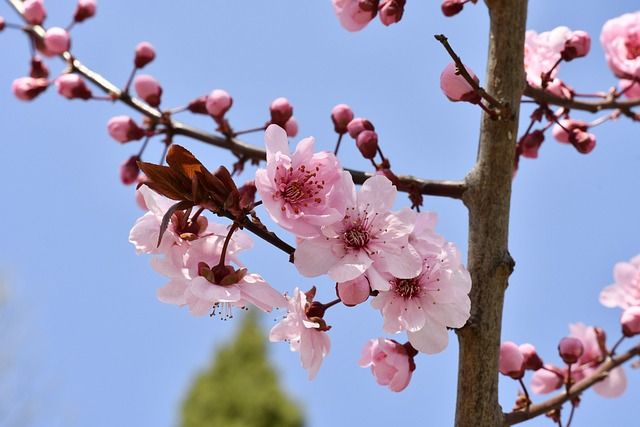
556,402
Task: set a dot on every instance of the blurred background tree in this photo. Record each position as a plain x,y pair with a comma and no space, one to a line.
240,388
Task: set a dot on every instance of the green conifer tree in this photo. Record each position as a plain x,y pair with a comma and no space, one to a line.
241,388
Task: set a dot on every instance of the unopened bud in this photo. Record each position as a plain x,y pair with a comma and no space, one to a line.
39,69
356,126
630,320
129,170
577,46
71,86
27,88
570,349
198,105
341,115
511,361
367,142
291,127
218,103
56,40
145,53
124,129
85,9
532,361
451,7
391,11
34,12
148,89
456,87
281,111
530,144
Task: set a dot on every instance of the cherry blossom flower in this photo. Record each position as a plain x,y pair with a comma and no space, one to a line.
391,363
542,52
511,360
304,190
428,303
620,38
368,239
547,379
305,335
625,291
354,292
354,15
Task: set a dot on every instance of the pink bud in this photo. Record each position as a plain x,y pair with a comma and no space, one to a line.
56,40
354,15
391,363
511,361
34,12
145,53
1,23
198,105
530,143
367,142
631,88
72,86
531,359
455,87
85,9
391,11
39,69
570,349
577,46
575,133
218,103
129,170
148,89
452,7
341,115
356,126
630,320
124,129
27,88
281,111
291,127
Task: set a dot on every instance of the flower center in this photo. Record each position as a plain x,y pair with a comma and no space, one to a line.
407,288
356,238
633,46
299,187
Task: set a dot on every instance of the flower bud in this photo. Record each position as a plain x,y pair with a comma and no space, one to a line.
391,363
34,12
27,88
56,40
455,87
354,15
367,142
198,105
530,143
281,111
291,127
145,53
148,89
631,88
576,46
511,361
124,129
452,7
391,11
630,320
570,349
39,69
341,115
532,361
575,133
547,380
129,170
218,103
356,126
2,23
72,86
85,9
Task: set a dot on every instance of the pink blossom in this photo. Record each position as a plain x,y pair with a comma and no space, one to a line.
391,11
428,303
218,103
145,53
56,40
129,170
341,115
542,52
34,12
71,86
27,88
354,292
281,111
354,15
630,320
390,363
304,190
124,129
625,291
631,88
148,89
547,379
530,144
307,336
576,46
368,238
85,9
291,127
455,87
620,39
531,359
574,132
511,360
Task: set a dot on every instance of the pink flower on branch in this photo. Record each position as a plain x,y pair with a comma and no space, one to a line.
542,53
625,291
304,190
391,362
620,39
305,335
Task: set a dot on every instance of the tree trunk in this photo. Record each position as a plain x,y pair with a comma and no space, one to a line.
488,200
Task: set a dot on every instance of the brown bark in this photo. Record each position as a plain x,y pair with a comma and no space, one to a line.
488,199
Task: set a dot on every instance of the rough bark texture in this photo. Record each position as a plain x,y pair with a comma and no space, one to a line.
488,200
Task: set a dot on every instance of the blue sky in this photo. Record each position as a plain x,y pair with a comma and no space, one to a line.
108,353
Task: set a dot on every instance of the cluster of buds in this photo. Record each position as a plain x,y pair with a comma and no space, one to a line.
354,15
